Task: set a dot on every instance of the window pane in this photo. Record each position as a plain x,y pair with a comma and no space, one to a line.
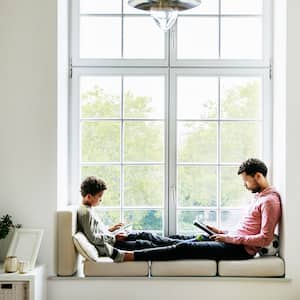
197,97
240,140
144,97
100,96
143,38
207,7
146,220
230,219
144,141
109,217
185,220
100,141
241,6
197,38
241,38
100,37
241,98
100,7
233,192
197,186
197,141
111,176
144,186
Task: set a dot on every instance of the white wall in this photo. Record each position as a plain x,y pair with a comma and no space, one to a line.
28,172
28,85
292,142
170,289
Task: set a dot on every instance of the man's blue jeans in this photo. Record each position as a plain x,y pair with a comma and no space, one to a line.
194,250
147,246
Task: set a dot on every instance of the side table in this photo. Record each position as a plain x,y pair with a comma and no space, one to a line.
33,283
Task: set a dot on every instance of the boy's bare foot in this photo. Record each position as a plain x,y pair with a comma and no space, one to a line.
129,256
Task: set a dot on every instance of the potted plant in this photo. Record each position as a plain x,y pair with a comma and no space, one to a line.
6,228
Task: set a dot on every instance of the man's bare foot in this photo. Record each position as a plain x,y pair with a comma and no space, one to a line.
129,256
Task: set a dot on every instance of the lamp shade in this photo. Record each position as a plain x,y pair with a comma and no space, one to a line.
164,12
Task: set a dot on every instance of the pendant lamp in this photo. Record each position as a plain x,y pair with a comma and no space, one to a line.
164,12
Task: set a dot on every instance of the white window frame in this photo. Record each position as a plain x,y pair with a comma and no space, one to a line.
266,135
170,67
74,174
122,62
265,62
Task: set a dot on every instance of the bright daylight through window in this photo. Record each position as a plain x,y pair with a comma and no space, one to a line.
165,118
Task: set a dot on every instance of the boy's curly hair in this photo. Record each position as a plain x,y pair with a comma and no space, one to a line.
92,185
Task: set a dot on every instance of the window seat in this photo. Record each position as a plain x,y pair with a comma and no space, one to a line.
269,266
257,267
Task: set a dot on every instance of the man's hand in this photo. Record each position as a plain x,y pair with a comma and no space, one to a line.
218,238
214,229
121,236
115,227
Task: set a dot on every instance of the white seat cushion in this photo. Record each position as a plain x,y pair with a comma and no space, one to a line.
185,267
106,267
267,266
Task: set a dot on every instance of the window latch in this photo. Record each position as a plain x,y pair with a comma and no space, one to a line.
70,68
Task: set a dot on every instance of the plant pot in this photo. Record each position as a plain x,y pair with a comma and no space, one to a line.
4,245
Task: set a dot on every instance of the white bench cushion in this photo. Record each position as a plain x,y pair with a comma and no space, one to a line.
187,267
268,266
106,267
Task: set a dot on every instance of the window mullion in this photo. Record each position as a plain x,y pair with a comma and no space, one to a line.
74,128
122,215
267,120
172,155
122,31
219,156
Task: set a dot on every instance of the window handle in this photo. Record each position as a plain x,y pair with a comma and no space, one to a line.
173,191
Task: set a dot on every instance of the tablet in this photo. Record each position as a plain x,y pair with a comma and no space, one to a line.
121,229
202,226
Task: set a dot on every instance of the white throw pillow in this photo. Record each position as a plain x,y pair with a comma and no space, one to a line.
84,247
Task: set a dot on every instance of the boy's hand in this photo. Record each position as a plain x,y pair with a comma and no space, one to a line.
215,230
115,227
121,236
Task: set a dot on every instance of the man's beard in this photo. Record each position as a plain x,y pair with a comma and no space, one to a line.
256,189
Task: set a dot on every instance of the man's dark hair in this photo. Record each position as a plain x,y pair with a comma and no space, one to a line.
252,166
92,185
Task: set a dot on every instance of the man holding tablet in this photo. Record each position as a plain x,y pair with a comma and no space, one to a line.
254,232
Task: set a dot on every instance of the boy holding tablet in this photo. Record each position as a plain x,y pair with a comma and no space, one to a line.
110,241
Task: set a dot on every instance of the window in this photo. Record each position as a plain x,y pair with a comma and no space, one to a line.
166,118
